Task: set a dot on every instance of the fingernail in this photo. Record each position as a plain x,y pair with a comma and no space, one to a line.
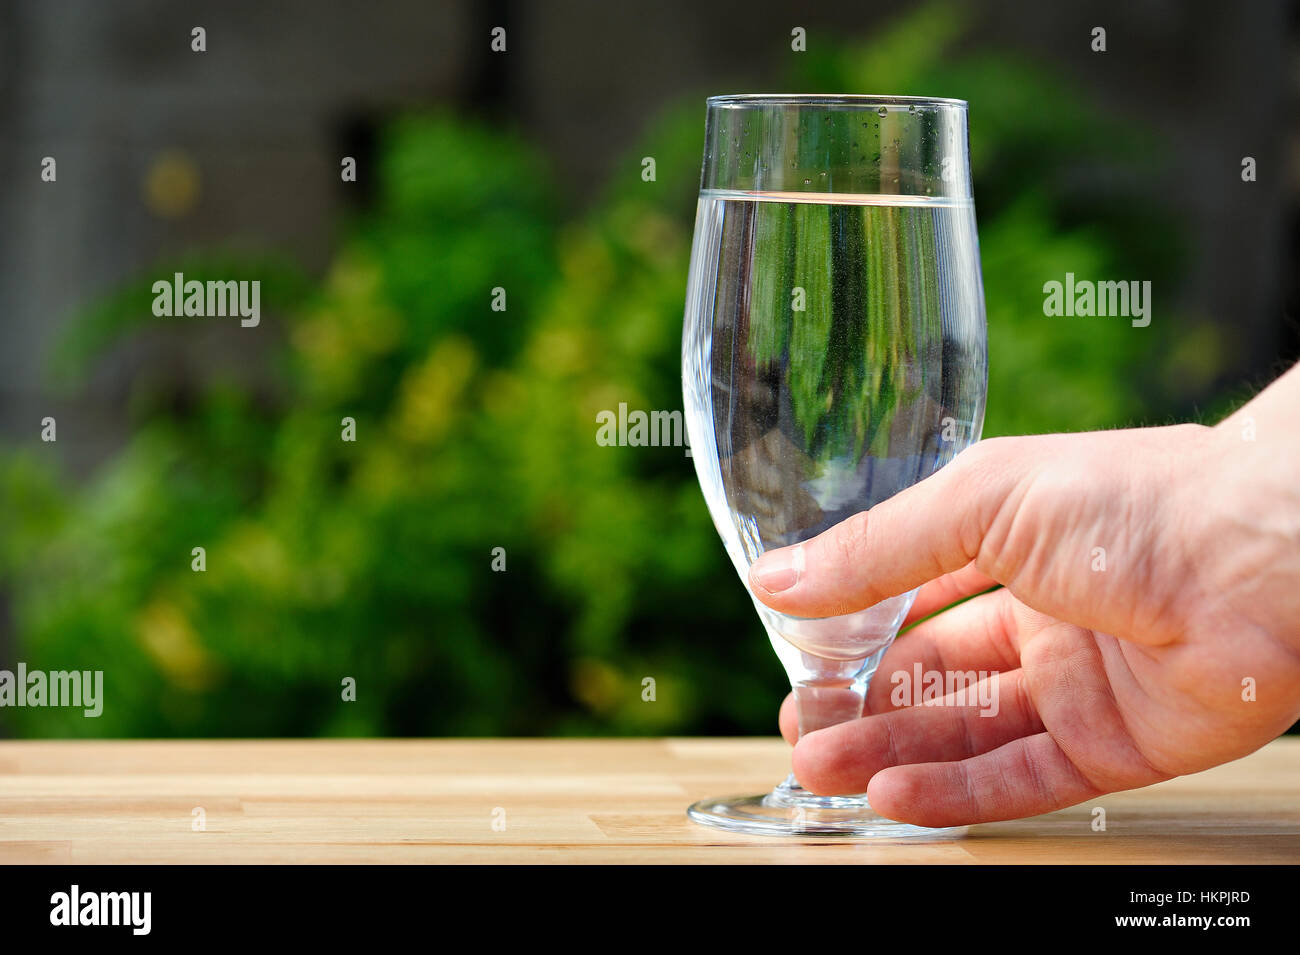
778,570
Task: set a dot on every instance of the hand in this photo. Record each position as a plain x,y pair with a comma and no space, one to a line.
1151,579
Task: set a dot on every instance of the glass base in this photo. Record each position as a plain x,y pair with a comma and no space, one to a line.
790,810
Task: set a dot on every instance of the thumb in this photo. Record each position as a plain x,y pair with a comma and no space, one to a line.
932,528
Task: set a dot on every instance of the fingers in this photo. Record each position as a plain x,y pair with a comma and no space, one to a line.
979,635
947,590
789,720
1022,778
978,718
938,766
931,529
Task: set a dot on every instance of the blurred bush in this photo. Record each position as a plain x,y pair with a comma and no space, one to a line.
475,430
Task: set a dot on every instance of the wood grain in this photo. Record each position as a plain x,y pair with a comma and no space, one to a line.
584,801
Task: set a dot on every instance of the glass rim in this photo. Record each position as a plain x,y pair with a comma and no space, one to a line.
865,100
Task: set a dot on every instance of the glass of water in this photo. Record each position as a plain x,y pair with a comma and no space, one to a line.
833,354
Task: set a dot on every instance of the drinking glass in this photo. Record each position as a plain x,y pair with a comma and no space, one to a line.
833,354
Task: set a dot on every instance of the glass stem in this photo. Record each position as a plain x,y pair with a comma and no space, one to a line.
823,705
828,692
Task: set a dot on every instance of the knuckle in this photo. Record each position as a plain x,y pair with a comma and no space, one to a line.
993,453
851,539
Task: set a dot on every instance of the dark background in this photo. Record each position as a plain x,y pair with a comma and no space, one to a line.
475,428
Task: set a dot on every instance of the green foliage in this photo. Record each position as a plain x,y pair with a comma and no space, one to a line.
475,430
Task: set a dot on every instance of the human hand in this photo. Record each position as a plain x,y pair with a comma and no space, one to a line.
1107,679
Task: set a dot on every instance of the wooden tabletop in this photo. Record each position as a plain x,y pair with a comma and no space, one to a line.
555,801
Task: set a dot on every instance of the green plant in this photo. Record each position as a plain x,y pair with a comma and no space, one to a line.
372,559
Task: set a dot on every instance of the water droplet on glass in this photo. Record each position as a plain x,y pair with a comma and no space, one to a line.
807,182
883,111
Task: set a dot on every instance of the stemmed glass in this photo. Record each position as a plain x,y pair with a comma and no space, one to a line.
833,354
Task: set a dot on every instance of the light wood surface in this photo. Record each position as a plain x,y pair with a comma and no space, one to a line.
560,801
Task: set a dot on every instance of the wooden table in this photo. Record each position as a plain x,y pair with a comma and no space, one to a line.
554,801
